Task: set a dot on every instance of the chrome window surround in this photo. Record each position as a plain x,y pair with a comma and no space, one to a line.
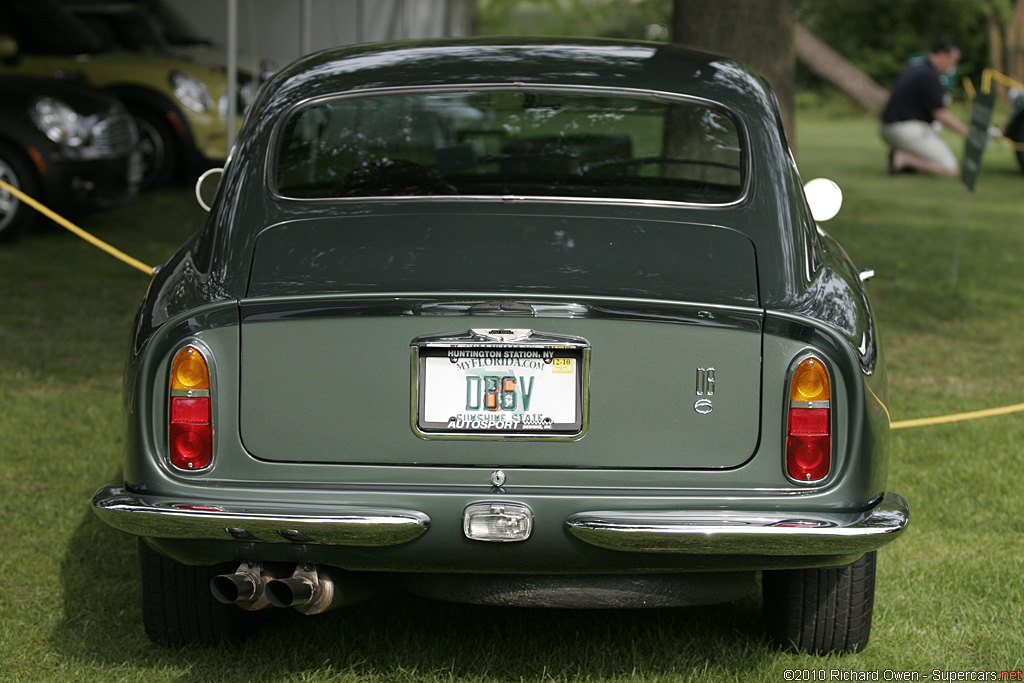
273,149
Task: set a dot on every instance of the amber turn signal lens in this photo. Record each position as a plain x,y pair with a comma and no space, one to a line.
189,371
810,382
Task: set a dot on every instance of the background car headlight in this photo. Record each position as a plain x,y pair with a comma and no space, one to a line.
191,91
58,121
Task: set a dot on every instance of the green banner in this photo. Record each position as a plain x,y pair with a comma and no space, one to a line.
977,138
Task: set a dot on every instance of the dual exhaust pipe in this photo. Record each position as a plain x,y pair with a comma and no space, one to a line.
311,589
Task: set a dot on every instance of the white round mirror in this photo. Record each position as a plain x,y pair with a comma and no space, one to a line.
824,197
206,187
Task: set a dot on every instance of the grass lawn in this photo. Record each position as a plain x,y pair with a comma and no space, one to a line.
949,596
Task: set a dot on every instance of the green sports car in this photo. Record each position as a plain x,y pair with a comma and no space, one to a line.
544,323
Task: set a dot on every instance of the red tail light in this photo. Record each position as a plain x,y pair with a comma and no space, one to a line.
809,431
190,423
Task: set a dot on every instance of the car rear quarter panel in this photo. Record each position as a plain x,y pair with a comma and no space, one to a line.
858,416
554,492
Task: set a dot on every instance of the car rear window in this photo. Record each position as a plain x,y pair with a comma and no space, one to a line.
511,142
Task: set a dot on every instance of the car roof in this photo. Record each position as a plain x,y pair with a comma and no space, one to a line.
543,61
605,66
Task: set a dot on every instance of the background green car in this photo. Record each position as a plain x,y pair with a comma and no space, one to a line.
543,323
179,107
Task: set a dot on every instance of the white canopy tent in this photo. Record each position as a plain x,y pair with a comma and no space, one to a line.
283,30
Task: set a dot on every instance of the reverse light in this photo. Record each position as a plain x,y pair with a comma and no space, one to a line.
497,522
809,424
190,423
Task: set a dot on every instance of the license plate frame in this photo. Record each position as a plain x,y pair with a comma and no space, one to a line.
500,384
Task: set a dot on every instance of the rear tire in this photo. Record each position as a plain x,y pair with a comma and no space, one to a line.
821,611
15,216
178,607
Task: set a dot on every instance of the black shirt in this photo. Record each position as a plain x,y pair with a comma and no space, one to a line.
916,95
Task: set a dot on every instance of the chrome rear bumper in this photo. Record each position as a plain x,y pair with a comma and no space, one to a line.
160,517
744,533
720,532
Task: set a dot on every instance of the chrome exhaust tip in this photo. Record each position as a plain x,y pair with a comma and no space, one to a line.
245,588
294,592
309,590
314,589
232,588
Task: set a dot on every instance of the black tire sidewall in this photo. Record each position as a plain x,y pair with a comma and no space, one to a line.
824,610
178,607
160,164
26,181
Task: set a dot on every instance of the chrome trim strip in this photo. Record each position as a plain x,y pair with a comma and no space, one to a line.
190,393
726,532
164,517
505,199
810,404
460,303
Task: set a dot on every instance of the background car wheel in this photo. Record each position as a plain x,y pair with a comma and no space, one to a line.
178,607
821,610
15,216
159,149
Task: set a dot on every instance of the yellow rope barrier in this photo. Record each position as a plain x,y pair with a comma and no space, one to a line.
959,417
65,223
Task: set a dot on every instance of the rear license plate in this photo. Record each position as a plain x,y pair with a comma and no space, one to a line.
500,390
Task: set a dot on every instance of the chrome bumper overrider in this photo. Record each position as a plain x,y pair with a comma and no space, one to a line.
160,517
735,533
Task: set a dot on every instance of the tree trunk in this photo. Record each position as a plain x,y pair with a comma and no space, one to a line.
996,52
1015,44
833,67
758,33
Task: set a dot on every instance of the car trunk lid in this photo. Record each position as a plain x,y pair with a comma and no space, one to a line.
333,373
